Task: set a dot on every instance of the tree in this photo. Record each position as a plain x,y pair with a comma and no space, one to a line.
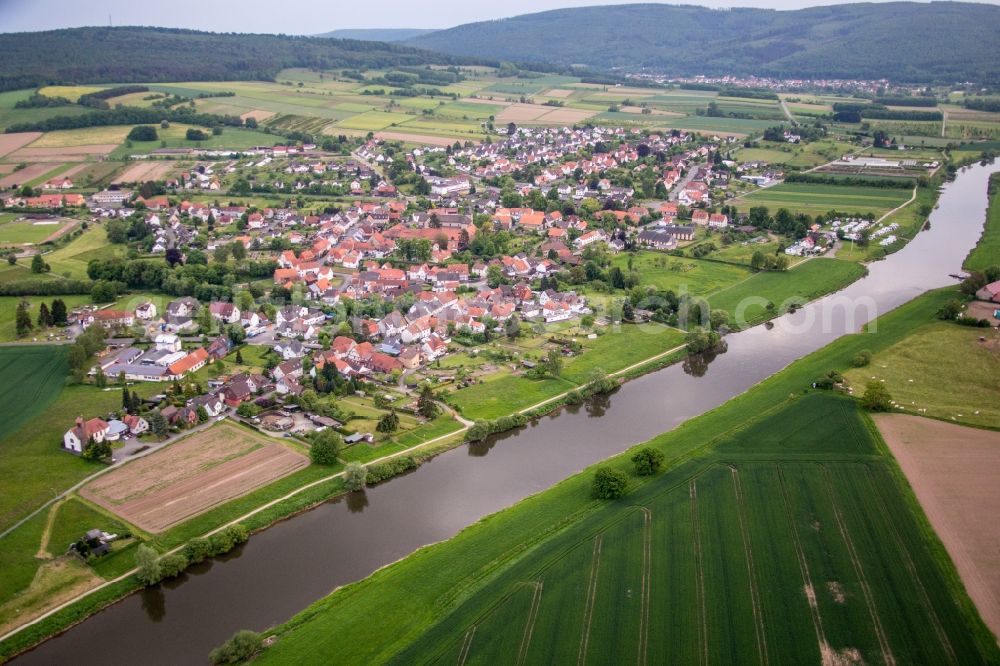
647,461
494,276
512,327
389,423
354,476
100,379
238,649
239,357
37,264
757,260
58,312
325,447
426,406
158,424
236,334
44,316
103,292
553,363
202,414
148,564
12,258
126,400
701,340
22,320
876,397
609,483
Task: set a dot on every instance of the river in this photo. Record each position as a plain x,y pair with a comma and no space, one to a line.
281,570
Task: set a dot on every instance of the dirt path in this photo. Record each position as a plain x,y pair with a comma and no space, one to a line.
43,546
954,471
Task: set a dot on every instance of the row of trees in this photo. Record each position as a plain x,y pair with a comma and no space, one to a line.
47,316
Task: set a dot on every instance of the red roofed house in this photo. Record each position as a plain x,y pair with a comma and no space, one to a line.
193,361
78,436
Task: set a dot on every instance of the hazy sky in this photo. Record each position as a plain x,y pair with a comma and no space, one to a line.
297,16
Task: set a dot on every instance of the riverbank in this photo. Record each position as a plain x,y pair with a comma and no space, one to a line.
413,595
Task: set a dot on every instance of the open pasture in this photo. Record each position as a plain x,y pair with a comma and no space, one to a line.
942,370
192,475
815,199
789,543
746,301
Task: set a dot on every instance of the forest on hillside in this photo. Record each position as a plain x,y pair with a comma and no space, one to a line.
902,41
126,54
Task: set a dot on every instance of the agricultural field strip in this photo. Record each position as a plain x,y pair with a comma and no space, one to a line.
597,557
887,656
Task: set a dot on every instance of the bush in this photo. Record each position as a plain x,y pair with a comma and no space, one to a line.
647,461
195,134
390,468
861,359
243,645
876,397
609,483
172,565
198,550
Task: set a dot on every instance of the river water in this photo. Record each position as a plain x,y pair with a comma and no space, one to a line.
292,564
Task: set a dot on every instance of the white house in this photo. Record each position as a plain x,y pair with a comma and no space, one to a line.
146,311
78,436
167,342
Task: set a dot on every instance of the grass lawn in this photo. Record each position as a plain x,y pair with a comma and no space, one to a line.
987,250
73,518
814,199
741,253
712,553
71,260
619,348
681,274
503,393
944,369
746,301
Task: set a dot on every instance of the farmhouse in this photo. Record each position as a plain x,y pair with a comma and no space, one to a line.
78,436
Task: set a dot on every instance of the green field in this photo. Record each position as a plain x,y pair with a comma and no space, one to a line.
940,370
987,250
16,233
815,199
781,532
503,393
746,301
681,274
